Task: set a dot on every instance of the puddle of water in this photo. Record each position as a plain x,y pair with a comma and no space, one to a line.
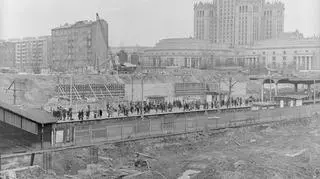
186,174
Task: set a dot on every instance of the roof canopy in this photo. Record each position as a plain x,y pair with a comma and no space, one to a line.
35,115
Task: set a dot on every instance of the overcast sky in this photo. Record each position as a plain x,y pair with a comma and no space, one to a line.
131,22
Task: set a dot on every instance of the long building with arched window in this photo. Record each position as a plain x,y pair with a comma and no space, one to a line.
295,54
189,53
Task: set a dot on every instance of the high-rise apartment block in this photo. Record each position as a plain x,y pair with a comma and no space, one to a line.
238,22
32,54
79,46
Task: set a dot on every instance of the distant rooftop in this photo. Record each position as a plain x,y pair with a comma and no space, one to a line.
76,24
27,39
188,43
281,43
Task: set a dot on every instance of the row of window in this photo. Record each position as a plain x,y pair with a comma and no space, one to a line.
243,9
284,52
200,13
268,13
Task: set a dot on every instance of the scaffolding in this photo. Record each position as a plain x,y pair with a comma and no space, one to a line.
114,92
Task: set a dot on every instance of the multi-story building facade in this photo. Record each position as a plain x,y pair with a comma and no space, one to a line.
273,20
32,54
238,22
188,53
7,54
248,21
293,54
290,54
204,21
225,20
79,46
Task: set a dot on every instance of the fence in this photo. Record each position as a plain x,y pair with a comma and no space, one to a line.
151,126
87,133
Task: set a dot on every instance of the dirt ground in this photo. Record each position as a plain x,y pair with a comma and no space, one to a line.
283,150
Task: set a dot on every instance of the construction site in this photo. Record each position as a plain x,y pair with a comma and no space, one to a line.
236,143
45,91
184,122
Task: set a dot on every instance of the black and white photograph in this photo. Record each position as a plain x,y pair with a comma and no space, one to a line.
159,89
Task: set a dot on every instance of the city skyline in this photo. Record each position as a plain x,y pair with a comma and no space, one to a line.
128,21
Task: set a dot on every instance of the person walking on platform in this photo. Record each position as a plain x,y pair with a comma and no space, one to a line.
88,112
64,114
79,115
70,114
100,112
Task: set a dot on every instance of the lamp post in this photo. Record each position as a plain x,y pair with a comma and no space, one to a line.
219,89
142,105
142,101
314,91
131,88
71,91
270,98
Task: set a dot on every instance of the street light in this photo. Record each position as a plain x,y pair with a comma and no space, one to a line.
142,101
270,76
219,89
314,91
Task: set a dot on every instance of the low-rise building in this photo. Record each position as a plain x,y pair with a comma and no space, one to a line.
295,53
135,53
189,53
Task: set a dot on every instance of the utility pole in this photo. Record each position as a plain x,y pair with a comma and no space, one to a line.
142,105
314,91
131,88
14,93
219,88
270,86
14,86
70,90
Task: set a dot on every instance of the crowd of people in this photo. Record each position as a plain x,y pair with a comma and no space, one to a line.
136,108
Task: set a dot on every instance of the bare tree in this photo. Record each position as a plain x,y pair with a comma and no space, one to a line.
218,78
230,81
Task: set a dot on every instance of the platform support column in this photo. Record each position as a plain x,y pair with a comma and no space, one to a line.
47,160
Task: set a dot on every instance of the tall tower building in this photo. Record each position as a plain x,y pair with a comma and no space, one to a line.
204,21
237,22
225,10
248,21
273,20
